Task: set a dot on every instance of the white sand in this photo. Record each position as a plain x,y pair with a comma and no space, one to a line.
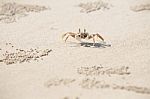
128,33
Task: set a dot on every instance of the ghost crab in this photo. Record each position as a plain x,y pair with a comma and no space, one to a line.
82,35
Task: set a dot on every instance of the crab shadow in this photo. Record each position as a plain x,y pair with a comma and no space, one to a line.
96,45
92,45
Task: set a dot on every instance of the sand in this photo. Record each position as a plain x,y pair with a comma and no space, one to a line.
35,63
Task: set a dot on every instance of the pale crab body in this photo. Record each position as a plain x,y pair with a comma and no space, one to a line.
82,36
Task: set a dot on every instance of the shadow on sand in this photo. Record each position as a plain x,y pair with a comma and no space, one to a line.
96,45
92,45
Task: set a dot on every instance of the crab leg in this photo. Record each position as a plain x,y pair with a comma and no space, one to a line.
67,38
93,41
64,35
100,37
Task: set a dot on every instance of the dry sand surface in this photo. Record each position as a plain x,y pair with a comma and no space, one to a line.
35,63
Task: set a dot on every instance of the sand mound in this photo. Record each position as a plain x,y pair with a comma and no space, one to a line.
141,7
93,6
58,82
20,55
10,12
93,83
100,70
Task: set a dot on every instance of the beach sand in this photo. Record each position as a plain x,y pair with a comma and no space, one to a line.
35,63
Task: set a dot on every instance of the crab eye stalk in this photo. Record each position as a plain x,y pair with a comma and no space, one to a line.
79,30
84,30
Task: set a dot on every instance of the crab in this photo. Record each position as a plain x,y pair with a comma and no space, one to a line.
82,35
